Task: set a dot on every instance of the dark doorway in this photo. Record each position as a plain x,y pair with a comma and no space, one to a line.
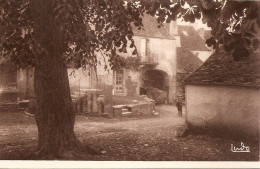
157,79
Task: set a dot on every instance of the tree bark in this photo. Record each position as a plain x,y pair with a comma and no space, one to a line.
55,116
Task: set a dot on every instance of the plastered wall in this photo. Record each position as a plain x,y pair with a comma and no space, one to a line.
234,108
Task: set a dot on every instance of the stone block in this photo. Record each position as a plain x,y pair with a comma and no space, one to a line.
117,110
127,114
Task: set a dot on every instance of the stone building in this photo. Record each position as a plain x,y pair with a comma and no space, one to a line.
194,40
156,65
163,60
191,52
224,94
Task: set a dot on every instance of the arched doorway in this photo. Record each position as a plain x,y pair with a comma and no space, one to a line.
157,79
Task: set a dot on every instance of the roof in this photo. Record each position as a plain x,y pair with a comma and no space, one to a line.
221,69
151,29
191,39
187,61
207,34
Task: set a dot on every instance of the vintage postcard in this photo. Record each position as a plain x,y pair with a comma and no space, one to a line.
105,83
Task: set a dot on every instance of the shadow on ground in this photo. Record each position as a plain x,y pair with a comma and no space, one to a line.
136,138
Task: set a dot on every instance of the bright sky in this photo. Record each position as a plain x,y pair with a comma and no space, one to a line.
198,24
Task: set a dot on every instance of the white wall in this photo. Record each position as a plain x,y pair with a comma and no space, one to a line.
166,51
236,108
203,55
167,62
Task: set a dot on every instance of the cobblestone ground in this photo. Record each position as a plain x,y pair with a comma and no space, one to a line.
142,138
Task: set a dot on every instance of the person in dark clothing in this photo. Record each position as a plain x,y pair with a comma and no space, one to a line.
179,107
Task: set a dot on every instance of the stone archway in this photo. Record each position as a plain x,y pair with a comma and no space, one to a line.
157,79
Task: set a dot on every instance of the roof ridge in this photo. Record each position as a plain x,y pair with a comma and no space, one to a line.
221,69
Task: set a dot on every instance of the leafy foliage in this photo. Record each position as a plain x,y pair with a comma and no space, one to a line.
234,24
91,27
87,28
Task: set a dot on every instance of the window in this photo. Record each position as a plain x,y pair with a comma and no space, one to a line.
119,87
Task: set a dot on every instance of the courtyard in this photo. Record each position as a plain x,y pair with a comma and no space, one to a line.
150,138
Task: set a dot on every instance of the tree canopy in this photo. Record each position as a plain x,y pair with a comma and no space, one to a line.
105,26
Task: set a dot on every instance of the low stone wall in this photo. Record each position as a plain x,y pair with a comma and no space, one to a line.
136,108
142,109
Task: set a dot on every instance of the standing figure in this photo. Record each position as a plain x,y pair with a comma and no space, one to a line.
179,107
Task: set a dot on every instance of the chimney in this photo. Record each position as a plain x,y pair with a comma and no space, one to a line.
201,32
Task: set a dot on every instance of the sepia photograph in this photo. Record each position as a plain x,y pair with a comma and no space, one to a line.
130,80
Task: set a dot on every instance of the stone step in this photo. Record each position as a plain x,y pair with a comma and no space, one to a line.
126,113
119,106
124,110
155,113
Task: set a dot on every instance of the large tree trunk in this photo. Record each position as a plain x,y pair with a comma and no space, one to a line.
55,116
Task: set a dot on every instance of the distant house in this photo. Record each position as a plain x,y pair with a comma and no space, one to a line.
164,63
194,40
157,65
224,93
191,52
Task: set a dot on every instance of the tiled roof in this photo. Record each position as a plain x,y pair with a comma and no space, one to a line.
191,39
187,61
151,29
221,69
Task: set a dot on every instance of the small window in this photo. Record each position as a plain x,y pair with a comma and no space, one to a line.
119,81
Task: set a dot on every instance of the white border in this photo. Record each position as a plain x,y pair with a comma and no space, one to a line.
125,164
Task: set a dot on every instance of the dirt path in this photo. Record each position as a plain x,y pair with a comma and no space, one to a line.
165,118
143,138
